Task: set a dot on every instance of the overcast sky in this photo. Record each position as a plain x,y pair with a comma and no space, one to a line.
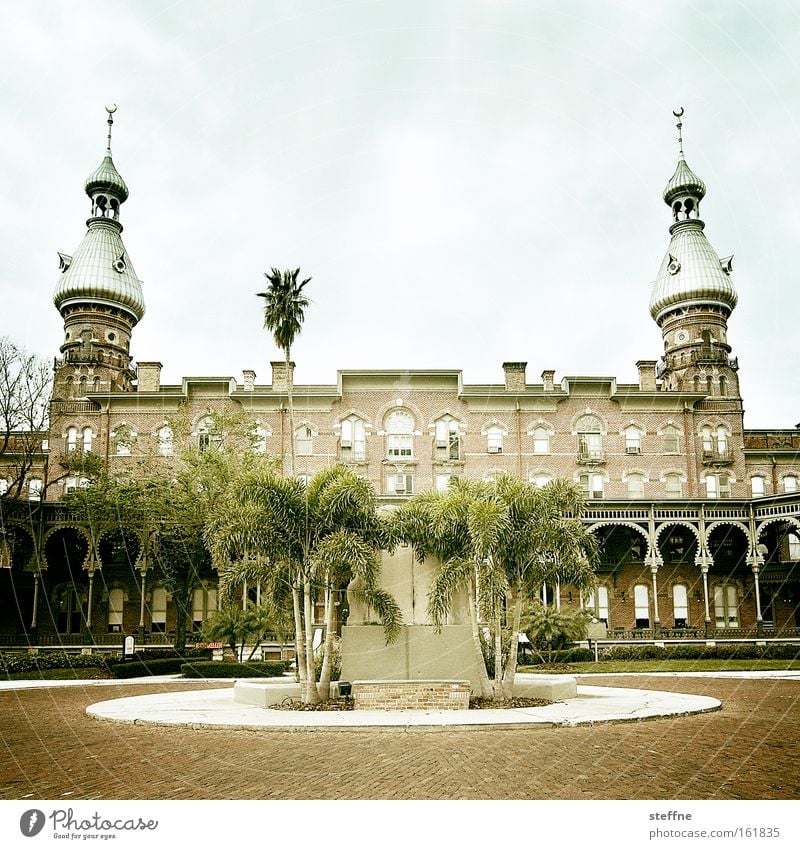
466,181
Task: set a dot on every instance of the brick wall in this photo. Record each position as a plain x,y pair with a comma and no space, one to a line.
411,695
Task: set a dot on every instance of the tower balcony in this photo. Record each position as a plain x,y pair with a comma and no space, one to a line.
715,457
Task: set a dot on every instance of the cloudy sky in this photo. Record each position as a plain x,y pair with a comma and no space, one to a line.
466,181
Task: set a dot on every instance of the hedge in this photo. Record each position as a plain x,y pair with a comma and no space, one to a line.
143,668
29,662
222,669
573,655
740,651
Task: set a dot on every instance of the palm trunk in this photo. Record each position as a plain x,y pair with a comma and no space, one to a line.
299,638
312,693
325,674
483,683
498,660
290,399
511,663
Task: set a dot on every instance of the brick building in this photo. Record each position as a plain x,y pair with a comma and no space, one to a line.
699,517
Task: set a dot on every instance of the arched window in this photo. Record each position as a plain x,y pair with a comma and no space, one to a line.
790,483
718,486
757,486
494,439
541,440
208,435
400,434
86,440
353,439
680,606
258,439
447,439
670,440
540,479
635,483
122,438
641,603
165,447
723,386
158,610
673,485
707,439
72,439
304,441
726,606
590,438
633,440
116,600
722,441
35,489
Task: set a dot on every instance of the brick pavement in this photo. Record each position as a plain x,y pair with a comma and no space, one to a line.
749,750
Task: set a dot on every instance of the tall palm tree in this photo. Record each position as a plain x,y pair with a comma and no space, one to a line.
321,535
284,311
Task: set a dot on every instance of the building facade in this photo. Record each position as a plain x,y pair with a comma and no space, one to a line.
698,517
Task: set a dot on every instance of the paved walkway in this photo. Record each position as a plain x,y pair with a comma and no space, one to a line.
217,709
749,749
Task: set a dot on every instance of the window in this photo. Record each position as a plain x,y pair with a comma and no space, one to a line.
204,603
670,443
353,440
3,486
86,440
72,439
726,606
303,441
794,546
208,435
447,440
707,440
633,440
494,439
718,486
158,610
673,485
680,605
599,603
541,440
635,483
722,441
35,489
641,604
540,479
116,599
122,439
304,479
400,430
400,484
444,481
591,485
258,439
590,438
790,483
757,486
165,441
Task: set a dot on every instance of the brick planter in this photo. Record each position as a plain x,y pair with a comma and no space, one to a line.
411,695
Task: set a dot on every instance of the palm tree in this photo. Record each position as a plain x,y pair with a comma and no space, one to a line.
284,311
320,535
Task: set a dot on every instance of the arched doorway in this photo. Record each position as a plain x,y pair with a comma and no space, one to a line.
730,579
65,584
16,585
779,579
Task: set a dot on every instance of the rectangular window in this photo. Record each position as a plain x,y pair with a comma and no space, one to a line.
400,484
353,440
494,440
633,441
670,441
590,446
635,486
158,610
443,482
641,602
598,603
447,442
401,444
541,441
592,485
116,599
680,606
35,489
304,443
726,607
790,484
757,486
673,485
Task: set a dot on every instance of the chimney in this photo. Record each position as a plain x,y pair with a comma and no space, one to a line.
515,376
547,379
149,377
249,378
280,378
647,375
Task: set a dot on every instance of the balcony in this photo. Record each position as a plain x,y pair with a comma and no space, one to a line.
716,457
591,456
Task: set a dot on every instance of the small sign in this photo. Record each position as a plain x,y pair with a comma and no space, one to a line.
130,646
214,645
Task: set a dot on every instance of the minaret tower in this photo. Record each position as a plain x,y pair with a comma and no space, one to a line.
693,296
98,294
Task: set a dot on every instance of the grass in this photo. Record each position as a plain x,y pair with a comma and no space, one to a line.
644,666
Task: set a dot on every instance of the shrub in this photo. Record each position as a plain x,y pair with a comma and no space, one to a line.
336,660
221,669
28,662
141,668
633,653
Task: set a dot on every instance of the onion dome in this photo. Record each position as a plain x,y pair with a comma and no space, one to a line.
691,274
684,182
100,272
106,178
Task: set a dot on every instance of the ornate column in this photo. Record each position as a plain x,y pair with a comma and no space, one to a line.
704,561
143,573
755,560
36,579
89,600
655,562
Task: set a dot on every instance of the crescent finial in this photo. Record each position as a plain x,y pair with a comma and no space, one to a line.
678,114
111,109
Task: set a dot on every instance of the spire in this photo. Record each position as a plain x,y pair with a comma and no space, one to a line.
685,189
104,185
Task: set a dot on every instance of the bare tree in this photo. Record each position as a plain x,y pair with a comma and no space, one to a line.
26,383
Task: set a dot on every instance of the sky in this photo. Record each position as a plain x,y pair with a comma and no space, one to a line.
466,182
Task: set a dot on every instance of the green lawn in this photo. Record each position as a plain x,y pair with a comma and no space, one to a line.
665,666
